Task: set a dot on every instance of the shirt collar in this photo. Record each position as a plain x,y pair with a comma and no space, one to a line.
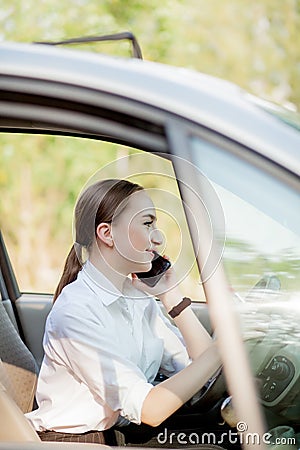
99,282
108,291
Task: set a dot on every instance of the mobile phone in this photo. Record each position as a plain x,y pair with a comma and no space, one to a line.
159,266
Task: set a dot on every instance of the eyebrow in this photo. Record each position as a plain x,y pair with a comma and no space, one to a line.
152,217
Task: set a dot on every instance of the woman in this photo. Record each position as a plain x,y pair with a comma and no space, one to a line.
105,337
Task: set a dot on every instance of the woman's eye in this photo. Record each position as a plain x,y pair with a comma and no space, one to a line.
148,224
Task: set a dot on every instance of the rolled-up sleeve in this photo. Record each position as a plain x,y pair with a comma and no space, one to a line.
133,401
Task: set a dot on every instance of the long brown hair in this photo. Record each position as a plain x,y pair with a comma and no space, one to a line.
97,204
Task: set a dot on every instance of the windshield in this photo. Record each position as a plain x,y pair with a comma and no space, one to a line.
262,219
261,258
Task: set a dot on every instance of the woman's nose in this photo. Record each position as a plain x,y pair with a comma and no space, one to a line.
156,237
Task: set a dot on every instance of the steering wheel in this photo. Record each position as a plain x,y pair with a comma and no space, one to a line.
210,394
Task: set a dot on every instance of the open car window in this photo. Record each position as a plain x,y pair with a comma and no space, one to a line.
41,177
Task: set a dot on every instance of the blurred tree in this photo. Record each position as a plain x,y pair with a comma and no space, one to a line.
255,44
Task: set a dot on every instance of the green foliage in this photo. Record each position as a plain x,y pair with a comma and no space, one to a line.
255,44
40,180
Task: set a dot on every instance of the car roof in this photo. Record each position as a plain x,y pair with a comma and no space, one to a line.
214,103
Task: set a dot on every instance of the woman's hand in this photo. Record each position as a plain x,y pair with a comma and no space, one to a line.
195,336
167,289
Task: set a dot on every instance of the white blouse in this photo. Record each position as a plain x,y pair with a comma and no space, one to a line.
103,350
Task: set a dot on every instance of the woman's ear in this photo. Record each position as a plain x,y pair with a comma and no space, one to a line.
103,232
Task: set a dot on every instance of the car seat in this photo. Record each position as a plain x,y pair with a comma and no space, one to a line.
18,363
18,377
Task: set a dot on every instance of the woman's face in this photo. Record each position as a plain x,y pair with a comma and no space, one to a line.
135,235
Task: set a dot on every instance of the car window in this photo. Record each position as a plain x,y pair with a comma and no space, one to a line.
41,177
262,261
262,220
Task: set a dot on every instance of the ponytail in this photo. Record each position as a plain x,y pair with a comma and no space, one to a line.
70,272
